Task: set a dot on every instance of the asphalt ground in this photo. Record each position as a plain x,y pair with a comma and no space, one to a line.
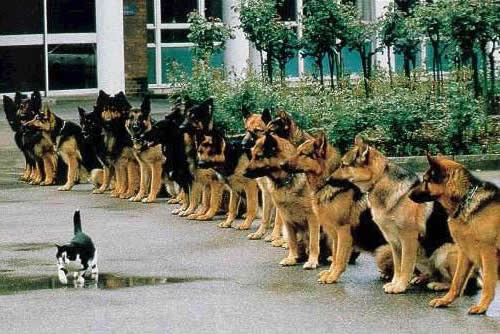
164,274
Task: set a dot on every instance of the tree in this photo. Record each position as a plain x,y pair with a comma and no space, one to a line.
208,35
387,34
359,37
432,20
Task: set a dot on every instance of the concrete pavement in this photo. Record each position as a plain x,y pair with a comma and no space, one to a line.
164,274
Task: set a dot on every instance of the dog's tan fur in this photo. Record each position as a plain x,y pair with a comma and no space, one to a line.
292,199
473,207
336,208
399,218
151,160
68,150
236,183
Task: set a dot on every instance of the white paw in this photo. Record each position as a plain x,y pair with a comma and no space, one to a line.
62,277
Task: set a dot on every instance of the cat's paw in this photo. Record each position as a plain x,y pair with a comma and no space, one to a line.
62,277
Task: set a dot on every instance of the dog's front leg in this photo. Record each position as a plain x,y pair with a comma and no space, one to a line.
464,267
133,171
234,199
106,177
267,209
313,227
144,180
194,198
48,168
252,194
156,171
293,252
72,163
489,270
344,249
216,190
409,248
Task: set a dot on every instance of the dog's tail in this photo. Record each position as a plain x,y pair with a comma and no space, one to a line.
77,222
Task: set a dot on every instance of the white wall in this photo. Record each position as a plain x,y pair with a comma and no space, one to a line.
110,46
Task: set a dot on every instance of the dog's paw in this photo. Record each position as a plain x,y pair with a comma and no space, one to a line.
438,286
204,217
256,235
148,200
395,288
64,188
278,242
192,216
288,261
243,226
310,265
478,309
225,224
420,279
98,191
440,302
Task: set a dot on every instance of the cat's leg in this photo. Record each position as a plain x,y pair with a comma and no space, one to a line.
61,271
94,273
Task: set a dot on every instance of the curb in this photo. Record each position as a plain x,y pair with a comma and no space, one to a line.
472,162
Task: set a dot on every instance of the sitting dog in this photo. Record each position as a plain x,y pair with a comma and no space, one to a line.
150,157
340,208
80,250
473,208
229,160
412,230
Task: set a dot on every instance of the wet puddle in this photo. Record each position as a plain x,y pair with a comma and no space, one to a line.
26,246
16,284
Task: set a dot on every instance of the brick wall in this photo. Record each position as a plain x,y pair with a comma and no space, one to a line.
136,61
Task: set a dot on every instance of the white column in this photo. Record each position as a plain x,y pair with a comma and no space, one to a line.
380,60
237,51
110,46
254,58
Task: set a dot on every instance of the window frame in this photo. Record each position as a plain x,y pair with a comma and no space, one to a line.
47,38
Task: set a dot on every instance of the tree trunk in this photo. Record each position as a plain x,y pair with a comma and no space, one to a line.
319,62
389,65
364,66
475,75
491,56
269,64
331,56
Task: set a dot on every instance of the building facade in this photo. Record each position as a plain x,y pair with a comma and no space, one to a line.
68,47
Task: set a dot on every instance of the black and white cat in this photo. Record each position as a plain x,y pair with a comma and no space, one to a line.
80,251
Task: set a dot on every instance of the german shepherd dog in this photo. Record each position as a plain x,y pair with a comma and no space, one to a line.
18,112
402,221
229,160
255,127
118,152
150,157
197,122
285,127
340,208
67,139
290,193
473,208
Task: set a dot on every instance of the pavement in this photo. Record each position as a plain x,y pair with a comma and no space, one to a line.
164,274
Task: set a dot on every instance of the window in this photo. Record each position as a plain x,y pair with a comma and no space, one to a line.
167,39
22,68
72,66
21,17
63,57
70,16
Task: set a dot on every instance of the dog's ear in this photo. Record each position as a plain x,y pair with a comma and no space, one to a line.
266,116
433,162
188,102
245,112
321,144
208,105
146,106
270,145
358,141
36,101
364,153
9,106
18,98
283,114
81,112
121,102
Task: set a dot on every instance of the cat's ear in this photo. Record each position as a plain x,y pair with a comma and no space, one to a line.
58,246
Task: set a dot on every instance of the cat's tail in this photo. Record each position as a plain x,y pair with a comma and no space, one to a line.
77,223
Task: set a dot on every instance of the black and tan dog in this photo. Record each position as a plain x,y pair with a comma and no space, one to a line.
291,195
148,154
18,112
67,140
414,231
340,208
473,207
285,127
198,121
229,159
256,127
118,152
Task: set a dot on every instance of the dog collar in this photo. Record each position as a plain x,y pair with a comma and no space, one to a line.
465,202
